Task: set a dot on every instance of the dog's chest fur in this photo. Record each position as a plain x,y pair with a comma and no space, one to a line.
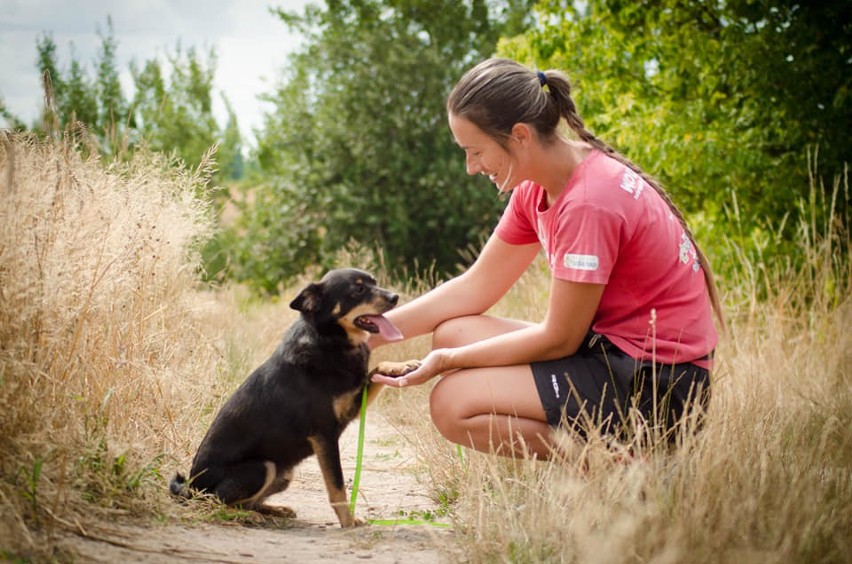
346,405
329,368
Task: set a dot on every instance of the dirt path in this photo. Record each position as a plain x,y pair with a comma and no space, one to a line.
388,489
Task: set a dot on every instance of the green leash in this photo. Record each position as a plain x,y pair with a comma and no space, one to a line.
356,481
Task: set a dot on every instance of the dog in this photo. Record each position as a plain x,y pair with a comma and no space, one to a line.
298,402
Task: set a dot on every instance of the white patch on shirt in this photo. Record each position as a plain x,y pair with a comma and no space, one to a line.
581,262
632,183
555,385
687,253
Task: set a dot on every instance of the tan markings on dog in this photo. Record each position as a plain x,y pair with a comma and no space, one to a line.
373,392
357,335
336,496
336,311
258,497
345,405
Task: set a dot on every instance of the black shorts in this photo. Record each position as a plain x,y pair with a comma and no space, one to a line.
602,387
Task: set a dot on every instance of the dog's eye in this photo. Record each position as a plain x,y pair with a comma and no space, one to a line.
358,291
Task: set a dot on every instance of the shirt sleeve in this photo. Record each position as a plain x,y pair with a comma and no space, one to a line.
586,243
516,227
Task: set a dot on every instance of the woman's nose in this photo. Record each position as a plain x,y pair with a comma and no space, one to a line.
473,166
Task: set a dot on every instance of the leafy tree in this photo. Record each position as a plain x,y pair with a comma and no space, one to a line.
231,147
113,109
172,114
357,146
12,121
73,96
175,113
79,95
723,101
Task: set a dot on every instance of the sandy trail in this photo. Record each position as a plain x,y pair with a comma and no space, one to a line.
388,490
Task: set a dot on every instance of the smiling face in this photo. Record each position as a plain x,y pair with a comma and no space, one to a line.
484,155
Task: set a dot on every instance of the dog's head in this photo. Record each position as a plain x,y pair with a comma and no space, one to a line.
350,299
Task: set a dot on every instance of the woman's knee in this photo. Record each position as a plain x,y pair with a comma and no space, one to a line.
450,333
445,409
462,331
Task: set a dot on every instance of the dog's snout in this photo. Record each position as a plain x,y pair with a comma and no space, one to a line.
393,299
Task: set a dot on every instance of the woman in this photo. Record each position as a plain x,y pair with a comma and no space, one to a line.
628,322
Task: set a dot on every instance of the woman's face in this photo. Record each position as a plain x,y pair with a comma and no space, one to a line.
483,155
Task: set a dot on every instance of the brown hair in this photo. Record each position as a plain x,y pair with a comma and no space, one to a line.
496,94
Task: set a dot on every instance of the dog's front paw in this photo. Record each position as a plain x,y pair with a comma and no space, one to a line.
395,369
350,520
356,523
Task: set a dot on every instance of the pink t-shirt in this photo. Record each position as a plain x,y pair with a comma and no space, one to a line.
610,227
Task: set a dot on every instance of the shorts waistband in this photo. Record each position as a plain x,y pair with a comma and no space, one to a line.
593,339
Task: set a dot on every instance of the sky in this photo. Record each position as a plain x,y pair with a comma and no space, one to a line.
251,45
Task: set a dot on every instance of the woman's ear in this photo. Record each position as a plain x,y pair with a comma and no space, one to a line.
522,133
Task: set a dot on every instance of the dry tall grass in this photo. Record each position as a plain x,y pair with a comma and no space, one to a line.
107,348
113,361
113,357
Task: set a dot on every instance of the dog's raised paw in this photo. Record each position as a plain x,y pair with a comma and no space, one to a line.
389,368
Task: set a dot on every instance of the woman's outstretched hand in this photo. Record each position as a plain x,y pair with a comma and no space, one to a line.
411,372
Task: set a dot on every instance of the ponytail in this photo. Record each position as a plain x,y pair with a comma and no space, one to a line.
560,92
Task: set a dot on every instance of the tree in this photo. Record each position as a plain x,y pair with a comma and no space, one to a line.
113,109
171,114
357,146
79,101
73,97
12,121
175,114
721,100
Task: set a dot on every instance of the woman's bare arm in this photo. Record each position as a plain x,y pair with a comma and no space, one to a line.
571,309
495,271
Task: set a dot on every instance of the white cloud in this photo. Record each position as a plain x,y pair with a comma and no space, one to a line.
251,44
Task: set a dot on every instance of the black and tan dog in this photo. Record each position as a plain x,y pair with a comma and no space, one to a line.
300,400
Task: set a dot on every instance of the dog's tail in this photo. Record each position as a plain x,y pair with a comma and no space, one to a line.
179,486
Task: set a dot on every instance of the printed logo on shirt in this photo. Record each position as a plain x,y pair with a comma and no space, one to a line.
581,262
555,385
687,253
632,183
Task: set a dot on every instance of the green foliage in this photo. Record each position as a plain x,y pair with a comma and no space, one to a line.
723,101
12,120
175,113
75,97
113,110
29,490
171,110
357,146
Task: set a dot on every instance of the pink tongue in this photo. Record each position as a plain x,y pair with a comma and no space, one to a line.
386,328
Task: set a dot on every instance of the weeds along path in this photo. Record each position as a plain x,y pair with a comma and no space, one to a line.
388,490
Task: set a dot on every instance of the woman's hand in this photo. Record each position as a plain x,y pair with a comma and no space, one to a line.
434,364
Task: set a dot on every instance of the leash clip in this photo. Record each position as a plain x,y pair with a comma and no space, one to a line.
594,340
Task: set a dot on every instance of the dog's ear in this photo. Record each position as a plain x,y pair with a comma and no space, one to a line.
309,299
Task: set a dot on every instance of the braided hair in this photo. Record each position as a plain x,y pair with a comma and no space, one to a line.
499,93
